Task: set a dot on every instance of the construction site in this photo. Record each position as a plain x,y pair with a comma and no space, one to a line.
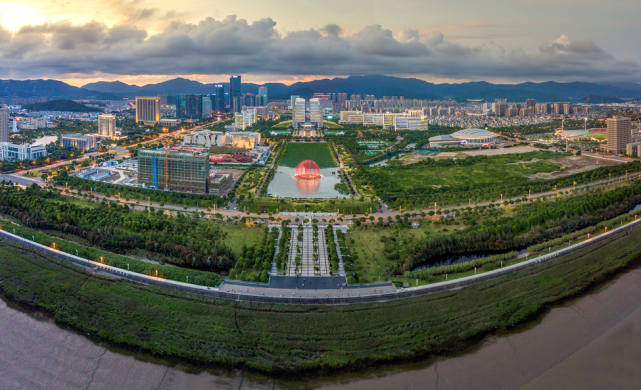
174,169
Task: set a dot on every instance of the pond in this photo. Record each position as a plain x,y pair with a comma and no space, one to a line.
284,185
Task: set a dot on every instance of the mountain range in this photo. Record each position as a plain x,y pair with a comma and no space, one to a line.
377,85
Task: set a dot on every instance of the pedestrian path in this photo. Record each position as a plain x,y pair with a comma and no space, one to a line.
308,256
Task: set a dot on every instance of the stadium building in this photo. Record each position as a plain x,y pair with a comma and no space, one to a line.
466,137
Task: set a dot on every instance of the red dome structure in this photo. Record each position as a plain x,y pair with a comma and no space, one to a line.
308,170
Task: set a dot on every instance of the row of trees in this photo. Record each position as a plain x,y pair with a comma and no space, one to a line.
530,224
180,241
142,194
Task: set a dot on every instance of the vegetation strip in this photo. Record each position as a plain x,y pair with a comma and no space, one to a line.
287,339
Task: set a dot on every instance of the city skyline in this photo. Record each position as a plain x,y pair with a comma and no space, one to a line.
149,41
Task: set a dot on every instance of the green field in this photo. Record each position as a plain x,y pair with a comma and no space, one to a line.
291,338
295,153
495,169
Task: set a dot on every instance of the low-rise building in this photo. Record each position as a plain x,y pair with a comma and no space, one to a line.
219,182
205,138
19,152
633,149
243,139
77,140
167,122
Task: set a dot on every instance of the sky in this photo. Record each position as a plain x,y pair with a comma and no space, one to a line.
148,41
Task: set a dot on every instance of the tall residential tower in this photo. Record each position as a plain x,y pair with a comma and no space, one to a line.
147,109
619,134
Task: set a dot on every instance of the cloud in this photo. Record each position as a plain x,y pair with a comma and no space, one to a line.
332,29
232,45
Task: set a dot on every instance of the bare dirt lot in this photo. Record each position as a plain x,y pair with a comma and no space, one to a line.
576,164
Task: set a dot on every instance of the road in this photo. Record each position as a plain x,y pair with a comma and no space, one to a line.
386,212
113,149
230,210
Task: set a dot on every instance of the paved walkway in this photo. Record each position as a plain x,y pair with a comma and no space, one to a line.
312,253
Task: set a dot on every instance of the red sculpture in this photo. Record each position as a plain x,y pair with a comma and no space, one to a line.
308,170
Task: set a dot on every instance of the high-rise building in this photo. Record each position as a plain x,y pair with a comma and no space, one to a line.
4,125
530,103
558,108
218,104
147,109
545,108
261,99
298,112
315,113
187,171
245,118
292,102
179,101
249,100
567,109
163,99
107,125
619,134
207,106
193,106
234,93
499,109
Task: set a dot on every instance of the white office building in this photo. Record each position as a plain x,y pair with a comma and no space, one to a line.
298,112
107,125
315,113
15,152
245,118
410,123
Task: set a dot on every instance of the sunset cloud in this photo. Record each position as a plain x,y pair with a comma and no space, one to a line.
233,45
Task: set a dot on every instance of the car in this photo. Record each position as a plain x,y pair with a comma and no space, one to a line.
337,224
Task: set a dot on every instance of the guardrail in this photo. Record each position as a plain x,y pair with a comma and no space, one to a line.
398,294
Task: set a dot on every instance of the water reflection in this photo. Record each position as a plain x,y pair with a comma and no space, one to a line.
285,185
307,188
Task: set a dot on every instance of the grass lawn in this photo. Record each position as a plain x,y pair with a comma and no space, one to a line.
332,125
368,245
295,153
251,182
292,338
239,235
495,169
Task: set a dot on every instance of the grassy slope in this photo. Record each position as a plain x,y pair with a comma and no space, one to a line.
497,168
291,338
295,153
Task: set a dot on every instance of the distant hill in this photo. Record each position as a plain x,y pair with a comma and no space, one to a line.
111,87
61,105
305,93
30,88
594,99
378,85
106,96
